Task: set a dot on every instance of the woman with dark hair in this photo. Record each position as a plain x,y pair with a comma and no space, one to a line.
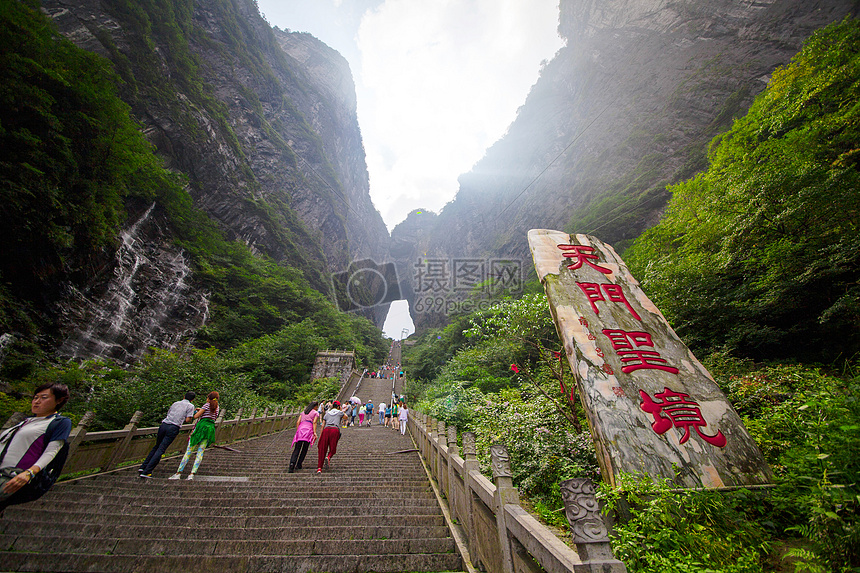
33,444
306,435
330,435
202,436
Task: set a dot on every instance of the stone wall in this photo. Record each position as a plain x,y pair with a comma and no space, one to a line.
334,364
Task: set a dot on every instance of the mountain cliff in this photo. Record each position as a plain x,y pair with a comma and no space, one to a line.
260,123
627,107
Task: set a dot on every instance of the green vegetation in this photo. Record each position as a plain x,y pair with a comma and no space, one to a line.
806,421
757,259
71,157
476,390
760,254
74,161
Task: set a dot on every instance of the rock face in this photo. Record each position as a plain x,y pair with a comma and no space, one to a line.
627,107
148,301
263,124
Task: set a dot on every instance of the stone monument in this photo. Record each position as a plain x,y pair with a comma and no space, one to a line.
653,409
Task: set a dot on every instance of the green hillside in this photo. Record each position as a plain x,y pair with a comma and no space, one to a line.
756,265
74,164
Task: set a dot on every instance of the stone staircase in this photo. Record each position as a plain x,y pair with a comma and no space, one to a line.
373,510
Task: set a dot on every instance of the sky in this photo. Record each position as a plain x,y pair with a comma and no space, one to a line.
437,83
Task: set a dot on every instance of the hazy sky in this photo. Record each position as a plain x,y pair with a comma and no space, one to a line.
437,82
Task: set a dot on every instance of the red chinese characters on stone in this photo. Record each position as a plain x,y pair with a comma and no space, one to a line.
623,343
678,410
582,254
613,292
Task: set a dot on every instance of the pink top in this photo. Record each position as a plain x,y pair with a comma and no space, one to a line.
305,431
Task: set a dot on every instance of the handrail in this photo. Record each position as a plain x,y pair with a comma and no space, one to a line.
95,452
501,535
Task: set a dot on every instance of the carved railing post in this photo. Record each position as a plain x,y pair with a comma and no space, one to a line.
425,441
441,446
235,425
506,494
453,450
122,445
588,530
263,424
282,425
470,464
251,423
78,433
431,441
219,421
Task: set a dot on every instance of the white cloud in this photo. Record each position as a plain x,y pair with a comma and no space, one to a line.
439,81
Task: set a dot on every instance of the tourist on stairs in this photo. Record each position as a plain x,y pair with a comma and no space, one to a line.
403,418
306,434
330,435
202,436
31,446
368,408
180,412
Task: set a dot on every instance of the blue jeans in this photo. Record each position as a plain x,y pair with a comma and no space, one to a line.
166,434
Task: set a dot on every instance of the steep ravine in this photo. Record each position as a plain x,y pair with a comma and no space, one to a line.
627,107
263,125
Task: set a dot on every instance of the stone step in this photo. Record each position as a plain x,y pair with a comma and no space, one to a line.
79,563
307,497
369,512
134,546
202,487
303,478
164,517
368,529
217,510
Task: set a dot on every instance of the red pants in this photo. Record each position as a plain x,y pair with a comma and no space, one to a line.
328,441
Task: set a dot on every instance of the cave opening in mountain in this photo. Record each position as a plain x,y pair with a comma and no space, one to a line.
398,322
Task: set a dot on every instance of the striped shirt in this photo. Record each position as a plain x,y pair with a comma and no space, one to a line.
208,413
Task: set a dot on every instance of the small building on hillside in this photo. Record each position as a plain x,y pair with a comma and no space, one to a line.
334,364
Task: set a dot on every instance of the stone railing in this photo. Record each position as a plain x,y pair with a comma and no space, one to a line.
351,386
501,535
104,451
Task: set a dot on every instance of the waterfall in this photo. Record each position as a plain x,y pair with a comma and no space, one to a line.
148,301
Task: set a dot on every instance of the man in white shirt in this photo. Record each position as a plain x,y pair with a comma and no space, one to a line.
180,412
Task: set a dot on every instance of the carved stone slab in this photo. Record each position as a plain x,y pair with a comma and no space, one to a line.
500,461
583,511
650,403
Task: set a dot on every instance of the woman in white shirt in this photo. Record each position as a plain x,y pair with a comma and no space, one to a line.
34,443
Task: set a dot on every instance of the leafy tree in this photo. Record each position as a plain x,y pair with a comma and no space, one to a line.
760,254
71,154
